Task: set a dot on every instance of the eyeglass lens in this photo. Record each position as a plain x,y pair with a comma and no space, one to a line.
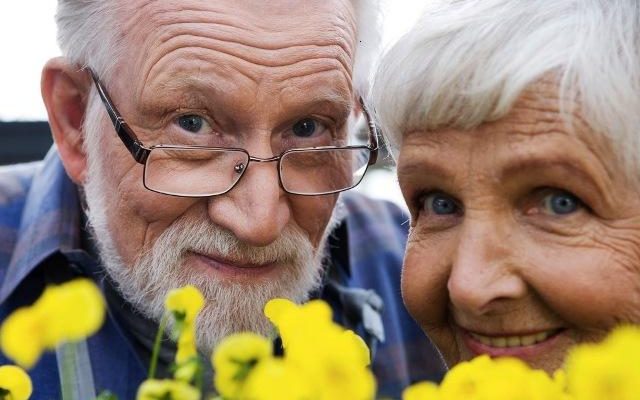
207,172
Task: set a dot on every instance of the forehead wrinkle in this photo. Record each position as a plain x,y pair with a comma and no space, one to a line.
538,111
304,61
530,135
288,54
320,71
232,34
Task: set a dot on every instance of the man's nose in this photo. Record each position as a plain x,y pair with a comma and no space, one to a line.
256,210
484,271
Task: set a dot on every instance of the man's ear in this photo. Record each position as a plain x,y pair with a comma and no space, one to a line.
65,89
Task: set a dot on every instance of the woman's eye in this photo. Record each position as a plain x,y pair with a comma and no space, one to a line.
560,203
306,127
191,123
441,204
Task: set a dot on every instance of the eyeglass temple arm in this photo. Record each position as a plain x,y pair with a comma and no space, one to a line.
373,133
130,140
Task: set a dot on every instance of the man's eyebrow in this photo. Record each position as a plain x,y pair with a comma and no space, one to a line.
336,103
183,82
193,89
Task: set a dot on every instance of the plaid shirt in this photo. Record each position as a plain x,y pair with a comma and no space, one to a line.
40,236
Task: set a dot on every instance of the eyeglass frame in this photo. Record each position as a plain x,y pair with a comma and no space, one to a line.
140,152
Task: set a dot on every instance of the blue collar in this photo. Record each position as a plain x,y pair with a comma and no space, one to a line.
50,222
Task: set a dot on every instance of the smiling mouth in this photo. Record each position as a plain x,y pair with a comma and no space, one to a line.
514,340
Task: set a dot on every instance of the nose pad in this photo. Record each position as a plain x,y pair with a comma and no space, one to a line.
256,210
484,271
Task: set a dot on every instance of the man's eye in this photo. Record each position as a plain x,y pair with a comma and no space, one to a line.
441,204
191,123
561,203
305,128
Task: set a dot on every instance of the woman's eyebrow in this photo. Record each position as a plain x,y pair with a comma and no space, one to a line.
426,166
575,167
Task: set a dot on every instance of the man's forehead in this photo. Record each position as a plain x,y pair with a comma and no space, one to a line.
272,14
293,38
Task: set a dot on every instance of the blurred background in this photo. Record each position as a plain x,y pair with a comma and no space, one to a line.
28,35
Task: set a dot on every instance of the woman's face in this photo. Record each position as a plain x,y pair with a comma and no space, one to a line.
525,235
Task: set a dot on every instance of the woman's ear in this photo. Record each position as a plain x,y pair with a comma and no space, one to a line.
65,89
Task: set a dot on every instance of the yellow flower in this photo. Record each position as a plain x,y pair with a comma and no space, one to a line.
609,370
186,301
73,311
153,389
186,344
235,357
560,379
65,313
14,380
501,379
421,391
188,370
334,359
298,322
185,304
463,380
336,362
21,337
277,379
346,381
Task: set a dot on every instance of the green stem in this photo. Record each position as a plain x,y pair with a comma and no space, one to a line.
68,371
156,346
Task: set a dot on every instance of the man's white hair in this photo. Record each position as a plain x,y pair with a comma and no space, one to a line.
467,61
88,34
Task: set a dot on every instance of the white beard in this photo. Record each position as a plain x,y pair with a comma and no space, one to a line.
230,306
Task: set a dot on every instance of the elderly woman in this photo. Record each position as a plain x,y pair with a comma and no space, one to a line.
516,126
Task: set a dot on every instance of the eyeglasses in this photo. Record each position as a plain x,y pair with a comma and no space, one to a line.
201,171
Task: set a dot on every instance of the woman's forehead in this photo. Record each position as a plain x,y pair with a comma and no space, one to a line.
534,133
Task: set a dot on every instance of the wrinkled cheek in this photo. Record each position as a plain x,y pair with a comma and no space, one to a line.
312,214
424,288
588,289
138,216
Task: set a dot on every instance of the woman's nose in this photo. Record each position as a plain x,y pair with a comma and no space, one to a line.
484,270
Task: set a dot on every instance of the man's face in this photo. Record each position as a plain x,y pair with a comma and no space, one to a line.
263,76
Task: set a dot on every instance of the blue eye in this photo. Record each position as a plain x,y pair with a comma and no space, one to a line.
191,123
561,203
304,128
441,204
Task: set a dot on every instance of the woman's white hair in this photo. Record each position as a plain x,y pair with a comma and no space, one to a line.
88,33
467,61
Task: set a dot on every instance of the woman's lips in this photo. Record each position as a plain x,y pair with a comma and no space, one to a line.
521,345
231,269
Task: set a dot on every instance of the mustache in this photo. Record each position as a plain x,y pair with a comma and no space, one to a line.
200,235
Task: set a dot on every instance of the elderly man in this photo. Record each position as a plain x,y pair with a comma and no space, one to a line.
187,136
